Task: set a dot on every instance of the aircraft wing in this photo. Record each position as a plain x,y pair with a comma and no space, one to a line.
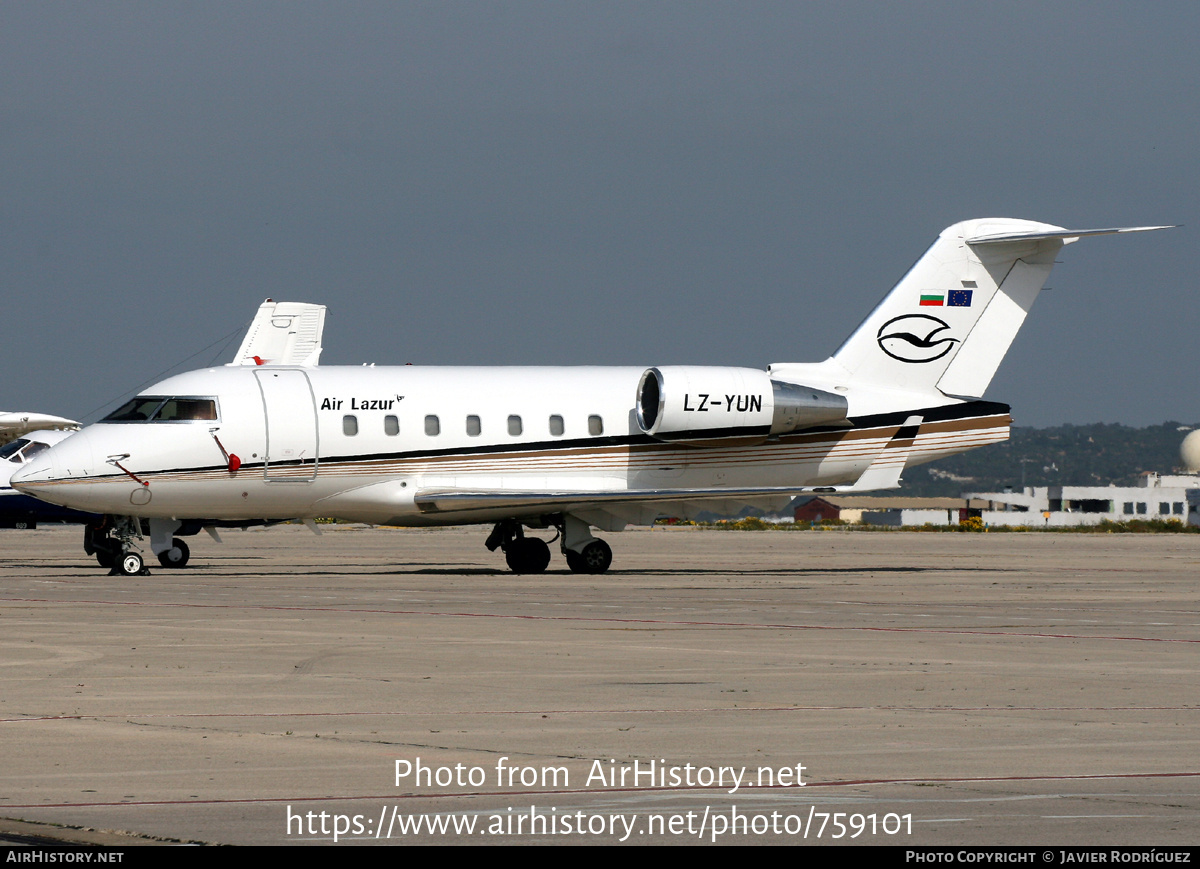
15,425
447,501
883,473
283,333
613,510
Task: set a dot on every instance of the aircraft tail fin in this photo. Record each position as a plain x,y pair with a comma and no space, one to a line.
283,333
948,323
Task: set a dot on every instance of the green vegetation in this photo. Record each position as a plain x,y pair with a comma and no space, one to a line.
1066,455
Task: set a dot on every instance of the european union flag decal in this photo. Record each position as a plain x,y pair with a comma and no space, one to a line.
959,299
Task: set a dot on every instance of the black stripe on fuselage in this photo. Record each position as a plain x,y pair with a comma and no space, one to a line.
942,413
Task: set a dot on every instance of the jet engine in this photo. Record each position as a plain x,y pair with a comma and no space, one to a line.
700,403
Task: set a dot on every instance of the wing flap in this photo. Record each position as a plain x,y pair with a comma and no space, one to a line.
454,501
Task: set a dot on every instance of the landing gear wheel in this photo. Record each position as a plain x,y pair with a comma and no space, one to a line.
131,564
596,557
105,558
176,556
527,555
575,562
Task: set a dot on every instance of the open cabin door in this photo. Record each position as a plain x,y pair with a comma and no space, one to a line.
291,416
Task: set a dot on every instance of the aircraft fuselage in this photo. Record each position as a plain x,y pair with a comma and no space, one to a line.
361,443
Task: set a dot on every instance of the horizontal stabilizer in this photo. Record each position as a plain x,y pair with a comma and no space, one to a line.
1067,235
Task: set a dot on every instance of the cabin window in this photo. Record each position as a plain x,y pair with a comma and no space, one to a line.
514,425
473,426
349,425
556,425
595,425
391,426
433,426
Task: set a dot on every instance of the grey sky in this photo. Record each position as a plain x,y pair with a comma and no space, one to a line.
558,183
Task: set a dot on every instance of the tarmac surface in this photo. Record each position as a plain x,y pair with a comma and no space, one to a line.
935,688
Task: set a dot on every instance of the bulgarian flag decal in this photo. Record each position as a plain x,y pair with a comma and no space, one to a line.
934,299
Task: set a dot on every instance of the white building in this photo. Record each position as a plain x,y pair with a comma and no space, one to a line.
1156,496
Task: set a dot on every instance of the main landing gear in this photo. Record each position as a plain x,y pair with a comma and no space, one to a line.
595,558
583,552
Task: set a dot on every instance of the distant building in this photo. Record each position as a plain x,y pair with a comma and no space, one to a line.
1156,496
886,510
816,509
904,517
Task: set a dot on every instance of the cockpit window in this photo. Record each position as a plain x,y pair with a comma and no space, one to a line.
175,409
9,451
149,408
22,450
137,409
33,449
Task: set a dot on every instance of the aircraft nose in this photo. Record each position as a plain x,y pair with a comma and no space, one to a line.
70,458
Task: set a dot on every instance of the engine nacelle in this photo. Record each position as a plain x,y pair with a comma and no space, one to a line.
701,403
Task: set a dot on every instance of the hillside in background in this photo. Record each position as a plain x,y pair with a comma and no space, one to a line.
1067,455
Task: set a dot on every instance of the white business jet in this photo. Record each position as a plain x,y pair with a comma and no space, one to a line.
17,425
288,332
568,448
22,436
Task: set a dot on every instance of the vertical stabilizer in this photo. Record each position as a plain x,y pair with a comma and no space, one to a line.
283,333
948,323
953,316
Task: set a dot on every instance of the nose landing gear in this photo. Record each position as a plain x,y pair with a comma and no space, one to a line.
171,551
176,556
111,540
131,564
